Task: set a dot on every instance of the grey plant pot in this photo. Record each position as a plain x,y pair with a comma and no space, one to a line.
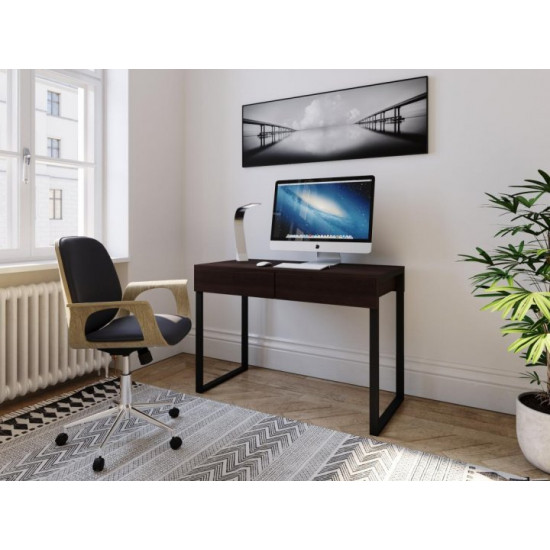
533,432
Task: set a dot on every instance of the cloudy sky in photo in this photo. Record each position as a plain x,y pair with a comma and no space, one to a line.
333,108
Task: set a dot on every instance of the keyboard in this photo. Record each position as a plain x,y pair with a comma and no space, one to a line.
305,265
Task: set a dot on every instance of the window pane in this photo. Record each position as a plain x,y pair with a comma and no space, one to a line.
59,114
8,201
56,116
54,145
3,108
58,202
8,112
4,240
53,103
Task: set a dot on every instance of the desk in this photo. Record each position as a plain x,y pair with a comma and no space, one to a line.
355,285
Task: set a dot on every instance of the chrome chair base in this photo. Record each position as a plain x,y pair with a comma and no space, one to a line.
124,409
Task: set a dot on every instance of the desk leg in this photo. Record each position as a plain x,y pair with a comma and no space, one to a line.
244,332
377,421
200,386
400,340
199,341
374,372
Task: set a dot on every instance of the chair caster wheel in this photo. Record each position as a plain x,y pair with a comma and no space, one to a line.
61,439
174,412
176,442
99,464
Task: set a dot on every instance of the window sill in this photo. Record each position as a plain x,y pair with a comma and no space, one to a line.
23,267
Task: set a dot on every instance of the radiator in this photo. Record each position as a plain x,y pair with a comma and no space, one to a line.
34,350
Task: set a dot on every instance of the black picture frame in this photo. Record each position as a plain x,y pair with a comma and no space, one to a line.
377,120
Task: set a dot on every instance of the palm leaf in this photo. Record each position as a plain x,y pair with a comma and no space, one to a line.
542,301
517,302
537,344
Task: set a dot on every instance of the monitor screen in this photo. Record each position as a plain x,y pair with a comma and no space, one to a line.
323,215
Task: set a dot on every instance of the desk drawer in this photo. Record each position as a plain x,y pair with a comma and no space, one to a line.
245,281
327,288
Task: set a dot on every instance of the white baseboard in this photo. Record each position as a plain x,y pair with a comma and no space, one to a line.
483,388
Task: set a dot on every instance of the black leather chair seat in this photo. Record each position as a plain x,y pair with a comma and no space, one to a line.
125,329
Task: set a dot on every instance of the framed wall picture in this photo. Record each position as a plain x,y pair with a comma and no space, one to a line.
379,120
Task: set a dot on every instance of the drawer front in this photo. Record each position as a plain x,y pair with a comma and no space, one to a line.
321,288
240,282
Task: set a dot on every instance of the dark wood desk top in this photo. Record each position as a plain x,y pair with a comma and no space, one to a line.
358,285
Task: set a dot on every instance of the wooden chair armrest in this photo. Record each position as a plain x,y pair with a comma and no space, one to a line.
178,287
142,310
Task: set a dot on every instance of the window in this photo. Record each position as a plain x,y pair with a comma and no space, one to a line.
53,148
56,204
50,161
53,103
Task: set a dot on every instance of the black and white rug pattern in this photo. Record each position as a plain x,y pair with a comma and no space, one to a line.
220,443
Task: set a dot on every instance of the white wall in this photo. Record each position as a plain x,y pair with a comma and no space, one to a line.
488,130
156,208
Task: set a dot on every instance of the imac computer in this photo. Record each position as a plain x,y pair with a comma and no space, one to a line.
328,216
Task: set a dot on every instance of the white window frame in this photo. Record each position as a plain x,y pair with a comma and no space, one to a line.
90,216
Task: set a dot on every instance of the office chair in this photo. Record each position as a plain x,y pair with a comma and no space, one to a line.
101,316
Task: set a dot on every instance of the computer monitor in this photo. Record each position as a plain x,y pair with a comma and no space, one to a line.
329,216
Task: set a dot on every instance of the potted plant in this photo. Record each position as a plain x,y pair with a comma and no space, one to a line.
516,280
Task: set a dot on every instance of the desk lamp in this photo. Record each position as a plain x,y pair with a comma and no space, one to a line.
240,241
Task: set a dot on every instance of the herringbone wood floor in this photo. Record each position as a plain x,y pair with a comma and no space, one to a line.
471,435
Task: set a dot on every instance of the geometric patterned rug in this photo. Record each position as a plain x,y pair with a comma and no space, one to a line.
220,443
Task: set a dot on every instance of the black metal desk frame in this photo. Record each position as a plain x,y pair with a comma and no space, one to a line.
346,284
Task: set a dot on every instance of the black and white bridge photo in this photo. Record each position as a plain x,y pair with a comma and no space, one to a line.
369,121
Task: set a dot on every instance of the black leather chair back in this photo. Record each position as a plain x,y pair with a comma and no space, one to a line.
91,276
